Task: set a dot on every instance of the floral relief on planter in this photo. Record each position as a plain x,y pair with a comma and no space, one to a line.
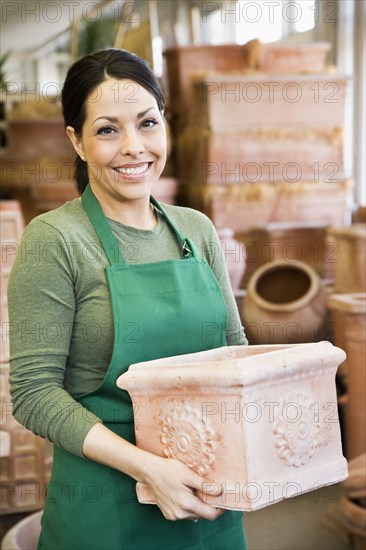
186,437
297,442
261,421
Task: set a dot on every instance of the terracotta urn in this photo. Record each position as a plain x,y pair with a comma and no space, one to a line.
261,421
285,303
235,256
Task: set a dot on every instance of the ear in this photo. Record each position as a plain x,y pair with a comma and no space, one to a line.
76,141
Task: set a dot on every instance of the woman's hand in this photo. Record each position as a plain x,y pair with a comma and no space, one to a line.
174,487
173,484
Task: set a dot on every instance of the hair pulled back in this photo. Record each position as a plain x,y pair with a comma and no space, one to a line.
89,72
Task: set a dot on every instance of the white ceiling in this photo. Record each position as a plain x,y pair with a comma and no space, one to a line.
27,24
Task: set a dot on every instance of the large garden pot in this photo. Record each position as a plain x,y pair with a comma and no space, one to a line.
23,535
285,303
349,323
259,420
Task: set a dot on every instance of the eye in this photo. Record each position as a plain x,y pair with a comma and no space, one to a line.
106,131
149,123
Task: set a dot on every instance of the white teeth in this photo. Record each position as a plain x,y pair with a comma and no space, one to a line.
133,171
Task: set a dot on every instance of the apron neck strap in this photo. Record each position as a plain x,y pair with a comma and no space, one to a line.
101,226
186,247
109,241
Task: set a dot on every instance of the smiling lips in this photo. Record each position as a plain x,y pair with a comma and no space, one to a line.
133,169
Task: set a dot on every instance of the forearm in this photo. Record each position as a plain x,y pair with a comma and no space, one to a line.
172,483
104,446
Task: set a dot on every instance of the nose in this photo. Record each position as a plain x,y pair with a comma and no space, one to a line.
132,143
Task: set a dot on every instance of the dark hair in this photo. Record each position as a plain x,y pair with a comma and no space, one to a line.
89,72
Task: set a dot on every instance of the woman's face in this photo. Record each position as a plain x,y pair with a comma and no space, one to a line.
123,141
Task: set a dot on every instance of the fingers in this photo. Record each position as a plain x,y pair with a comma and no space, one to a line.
206,511
180,492
203,485
202,488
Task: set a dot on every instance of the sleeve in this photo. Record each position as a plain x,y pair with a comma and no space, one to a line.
214,255
41,302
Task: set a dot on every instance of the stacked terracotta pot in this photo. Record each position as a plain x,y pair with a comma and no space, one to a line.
22,453
348,307
260,142
38,164
266,146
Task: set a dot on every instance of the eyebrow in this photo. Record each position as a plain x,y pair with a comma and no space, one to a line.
115,119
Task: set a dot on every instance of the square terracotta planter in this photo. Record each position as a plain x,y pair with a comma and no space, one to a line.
260,154
246,205
261,421
237,102
294,58
292,242
349,323
182,62
350,257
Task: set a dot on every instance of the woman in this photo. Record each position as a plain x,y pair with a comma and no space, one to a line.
105,281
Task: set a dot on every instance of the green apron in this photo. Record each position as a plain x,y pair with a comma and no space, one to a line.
90,506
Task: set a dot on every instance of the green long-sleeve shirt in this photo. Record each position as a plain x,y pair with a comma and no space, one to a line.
61,322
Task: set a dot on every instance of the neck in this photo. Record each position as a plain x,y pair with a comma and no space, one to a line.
138,213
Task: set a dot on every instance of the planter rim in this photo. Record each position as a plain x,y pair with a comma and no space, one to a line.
280,226
236,76
203,47
349,303
314,278
10,205
223,368
305,46
354,231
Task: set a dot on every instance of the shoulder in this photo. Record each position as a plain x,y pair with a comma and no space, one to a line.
189,220
198,227
66,223
61,218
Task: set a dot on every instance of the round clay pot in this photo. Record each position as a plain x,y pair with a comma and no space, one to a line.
235,256
285,303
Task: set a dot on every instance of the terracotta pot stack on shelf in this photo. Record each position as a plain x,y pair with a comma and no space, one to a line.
260,147
38,164
22,478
